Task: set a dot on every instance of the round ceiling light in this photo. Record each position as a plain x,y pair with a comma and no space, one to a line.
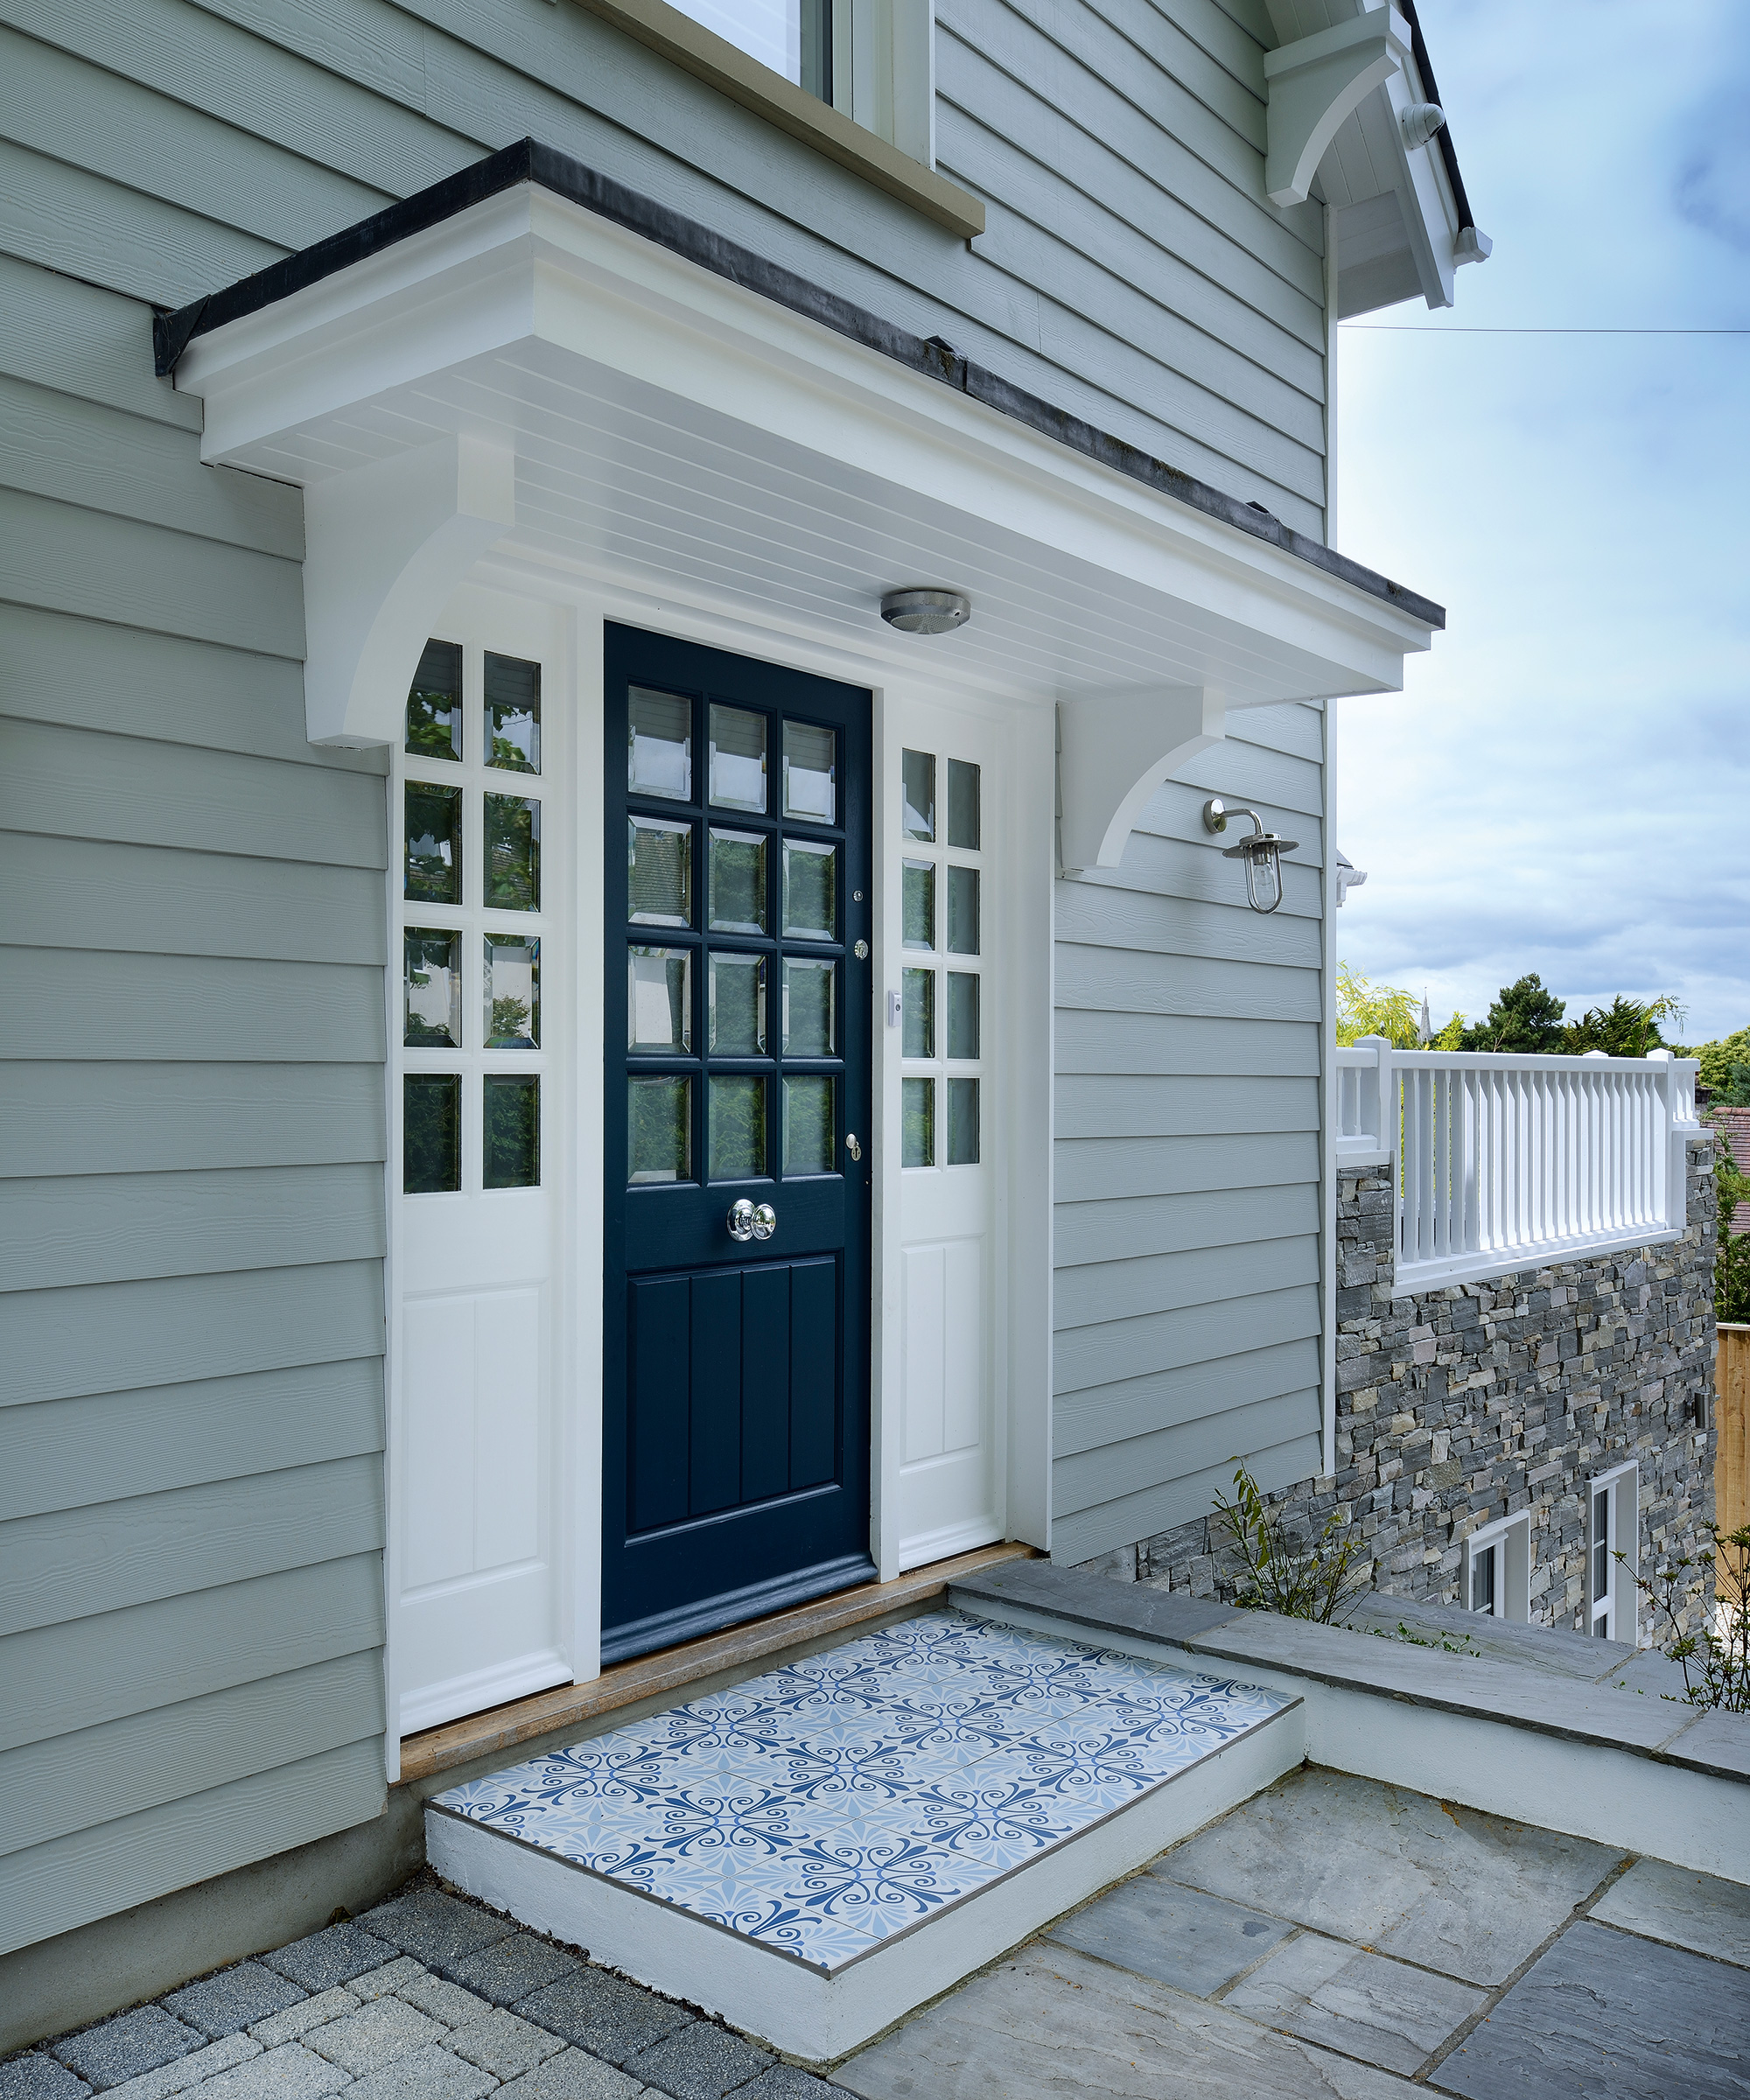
926,611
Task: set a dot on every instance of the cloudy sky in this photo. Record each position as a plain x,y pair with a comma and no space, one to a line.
1564,786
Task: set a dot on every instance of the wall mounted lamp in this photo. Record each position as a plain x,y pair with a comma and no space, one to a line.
1261,853
926,611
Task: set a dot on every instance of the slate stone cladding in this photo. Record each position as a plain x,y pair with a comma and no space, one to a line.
1460,1406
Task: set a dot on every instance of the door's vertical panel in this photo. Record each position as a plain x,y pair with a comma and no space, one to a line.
658,1454
439,1366
923,1313
764,1382
715,1437
814,1372
508,1427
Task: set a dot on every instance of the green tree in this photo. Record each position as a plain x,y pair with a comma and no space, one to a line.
1526,1020
1365,1009
1625,1028
1732,1259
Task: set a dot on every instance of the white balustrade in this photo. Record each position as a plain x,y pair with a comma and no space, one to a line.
1501,1163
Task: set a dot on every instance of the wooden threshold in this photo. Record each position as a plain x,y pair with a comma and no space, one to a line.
478,1735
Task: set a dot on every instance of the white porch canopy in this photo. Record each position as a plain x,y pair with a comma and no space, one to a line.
531,374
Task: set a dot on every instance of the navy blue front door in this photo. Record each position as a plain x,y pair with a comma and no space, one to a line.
736,1474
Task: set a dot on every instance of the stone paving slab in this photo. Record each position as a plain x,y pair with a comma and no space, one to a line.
699,2063
334,1955
1678,1905
498,2042
36,2076
190,2071
435,1929
1153,1926
441,2000
373,2036
1451,1888
1054,2024
393,1977
572,2075
510,1969
119,2049
1607,2016
604,2014
1382,2011
287,2073
427,2073
301,2017
235,1999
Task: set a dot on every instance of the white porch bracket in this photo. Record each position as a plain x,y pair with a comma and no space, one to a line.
1113,751
1314,83
384,547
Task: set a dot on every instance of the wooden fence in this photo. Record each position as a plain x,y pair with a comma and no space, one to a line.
1731,1471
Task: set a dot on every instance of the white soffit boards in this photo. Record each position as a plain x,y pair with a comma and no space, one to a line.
669,432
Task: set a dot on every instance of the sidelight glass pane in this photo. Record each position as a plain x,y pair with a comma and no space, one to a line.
511,991
738,1006
738,758
738,1127
1482,1580
658,873
918,772
431,989
430,1133
811,891
433,871
513,718
810,1122
963,1122
511,1130
917,904
963,825
434,703
810,765
919,1036
659,743
512,845
963,1014
962,911
810,1018
659,1132
737,882
917,1123
659,1001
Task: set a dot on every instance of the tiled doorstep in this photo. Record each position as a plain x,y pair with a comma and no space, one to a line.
911,1875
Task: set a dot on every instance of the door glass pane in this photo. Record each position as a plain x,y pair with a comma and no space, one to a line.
738,1127
811,891
659,1118
919,1039
917,768
659,738
962,911
512,853
1482,1580
430,1133
810,1021
738,758
434,703
963,1122
658,873
738,1006
512,702
809,1123
511,1129
810,763
737,882
433,873
917,904
511,991
431,988
659,1001
917,1123
963,1014
963,805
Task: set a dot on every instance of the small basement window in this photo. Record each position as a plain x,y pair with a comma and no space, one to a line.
1497,1569
1613,1552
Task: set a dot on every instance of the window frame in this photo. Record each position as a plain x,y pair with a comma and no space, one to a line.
1509,1539
1623,1482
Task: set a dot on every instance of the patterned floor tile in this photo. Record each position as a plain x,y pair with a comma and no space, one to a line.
828,1805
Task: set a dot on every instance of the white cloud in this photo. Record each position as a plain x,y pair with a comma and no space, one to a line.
1564,785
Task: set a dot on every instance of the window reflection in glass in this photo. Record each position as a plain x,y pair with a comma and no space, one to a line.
434,703
963,820
738,1006
919,1008
962,911
793,38
658,1130
512,845
658,873
431,989
810,1018
511,1130
918,778
659,1001
917,904
738,758
659,739
430,1133
433,871
810,1122
811,891
963,1122
963,1014
737,882
511,991
917,1123
513,714
810,761
737,1126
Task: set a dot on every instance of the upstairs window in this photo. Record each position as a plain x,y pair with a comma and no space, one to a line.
793,37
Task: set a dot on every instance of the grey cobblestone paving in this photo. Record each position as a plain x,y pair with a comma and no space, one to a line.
117,2050
234,1999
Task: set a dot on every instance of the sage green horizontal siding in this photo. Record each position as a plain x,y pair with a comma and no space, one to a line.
1188,1146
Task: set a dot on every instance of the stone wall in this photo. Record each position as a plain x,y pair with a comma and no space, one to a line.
1460,1406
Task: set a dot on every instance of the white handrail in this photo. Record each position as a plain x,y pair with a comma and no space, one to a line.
1501,1163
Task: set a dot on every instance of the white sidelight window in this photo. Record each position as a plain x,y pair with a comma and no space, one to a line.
1613,1556
1497,1569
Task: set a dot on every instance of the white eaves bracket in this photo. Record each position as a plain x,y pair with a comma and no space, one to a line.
1314,83
384,547
1114,751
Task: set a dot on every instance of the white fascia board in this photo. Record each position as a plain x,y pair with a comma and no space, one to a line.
531,272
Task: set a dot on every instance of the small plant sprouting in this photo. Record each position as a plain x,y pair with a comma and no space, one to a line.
1716,1662
1311,1582
1463,1646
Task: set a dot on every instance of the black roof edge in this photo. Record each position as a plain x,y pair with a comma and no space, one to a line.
528,161
1449,153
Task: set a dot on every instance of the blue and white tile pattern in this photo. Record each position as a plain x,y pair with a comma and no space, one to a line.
828,1806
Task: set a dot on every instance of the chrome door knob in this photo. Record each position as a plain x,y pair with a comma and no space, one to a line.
765,1221
853,1144
742,1220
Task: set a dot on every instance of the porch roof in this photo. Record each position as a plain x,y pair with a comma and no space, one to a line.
629,394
